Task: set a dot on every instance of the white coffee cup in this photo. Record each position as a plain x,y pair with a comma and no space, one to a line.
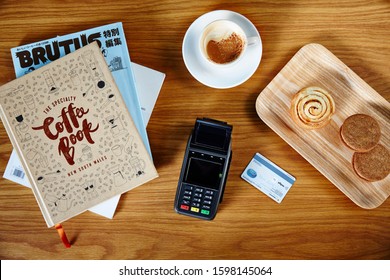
223,43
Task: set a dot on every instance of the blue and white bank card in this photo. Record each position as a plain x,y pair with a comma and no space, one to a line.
268,177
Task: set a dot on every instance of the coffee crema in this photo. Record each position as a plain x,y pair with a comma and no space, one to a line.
226,50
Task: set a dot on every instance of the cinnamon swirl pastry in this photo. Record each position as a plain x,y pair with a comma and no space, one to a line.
312,107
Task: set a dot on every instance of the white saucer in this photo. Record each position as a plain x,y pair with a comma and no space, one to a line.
225,77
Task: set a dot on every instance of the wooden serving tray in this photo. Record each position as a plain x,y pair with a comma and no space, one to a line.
314,65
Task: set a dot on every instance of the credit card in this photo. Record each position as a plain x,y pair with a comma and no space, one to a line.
268,178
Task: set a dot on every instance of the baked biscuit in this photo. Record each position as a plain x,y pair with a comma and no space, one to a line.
373,165
360,132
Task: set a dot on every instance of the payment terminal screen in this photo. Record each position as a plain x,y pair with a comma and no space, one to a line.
204,173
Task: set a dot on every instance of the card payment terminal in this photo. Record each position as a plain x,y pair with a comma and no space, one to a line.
205,169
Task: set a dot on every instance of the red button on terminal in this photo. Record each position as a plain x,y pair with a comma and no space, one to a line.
184,207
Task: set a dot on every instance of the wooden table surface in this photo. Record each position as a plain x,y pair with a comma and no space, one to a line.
314,221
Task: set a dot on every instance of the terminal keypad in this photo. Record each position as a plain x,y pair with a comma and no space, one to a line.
197,200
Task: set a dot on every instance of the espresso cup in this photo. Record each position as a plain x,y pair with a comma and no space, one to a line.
223,43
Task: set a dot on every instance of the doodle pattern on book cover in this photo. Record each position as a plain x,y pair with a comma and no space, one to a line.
71,125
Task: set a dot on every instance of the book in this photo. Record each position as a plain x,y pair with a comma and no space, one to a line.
148,83
74,135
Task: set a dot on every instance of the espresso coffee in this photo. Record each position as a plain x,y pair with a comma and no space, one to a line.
223,42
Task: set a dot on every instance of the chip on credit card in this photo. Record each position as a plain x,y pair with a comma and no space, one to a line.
268,178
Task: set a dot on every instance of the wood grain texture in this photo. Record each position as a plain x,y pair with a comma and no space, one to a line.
314,221
314,65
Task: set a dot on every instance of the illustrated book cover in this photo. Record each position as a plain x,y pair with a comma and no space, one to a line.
112,41
72,131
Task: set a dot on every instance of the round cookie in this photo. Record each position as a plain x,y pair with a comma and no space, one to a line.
360,132
373,165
